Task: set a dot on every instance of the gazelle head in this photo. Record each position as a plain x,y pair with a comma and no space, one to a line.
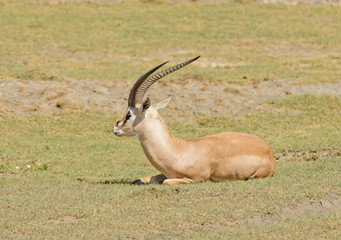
139,109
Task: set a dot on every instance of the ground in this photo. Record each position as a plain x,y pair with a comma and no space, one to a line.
66,69
193,95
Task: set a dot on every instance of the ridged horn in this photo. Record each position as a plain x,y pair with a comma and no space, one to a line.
132,95
146,84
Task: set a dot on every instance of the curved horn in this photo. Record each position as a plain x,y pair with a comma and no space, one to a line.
132,95
145,85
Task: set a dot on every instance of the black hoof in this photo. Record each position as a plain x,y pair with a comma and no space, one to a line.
137,182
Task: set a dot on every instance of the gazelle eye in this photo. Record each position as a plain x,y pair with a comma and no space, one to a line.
127,117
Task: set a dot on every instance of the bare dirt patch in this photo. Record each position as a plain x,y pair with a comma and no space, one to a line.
307,155
66,219
309,207
191,95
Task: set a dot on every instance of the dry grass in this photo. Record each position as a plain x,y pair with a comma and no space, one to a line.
118,41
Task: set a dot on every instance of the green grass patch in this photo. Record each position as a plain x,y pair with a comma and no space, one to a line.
77,183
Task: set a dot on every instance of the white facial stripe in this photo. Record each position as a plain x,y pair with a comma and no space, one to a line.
125,126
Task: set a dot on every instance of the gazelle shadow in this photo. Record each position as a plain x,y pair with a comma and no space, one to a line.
114,181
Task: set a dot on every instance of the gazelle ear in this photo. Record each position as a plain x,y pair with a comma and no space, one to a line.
145,105
162,103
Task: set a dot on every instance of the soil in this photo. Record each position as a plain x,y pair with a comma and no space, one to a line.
66,219
306,155
192,96
310,207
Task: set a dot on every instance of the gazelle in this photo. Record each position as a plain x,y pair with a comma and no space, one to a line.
222,156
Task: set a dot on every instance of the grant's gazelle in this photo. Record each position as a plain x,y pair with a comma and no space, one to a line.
222,156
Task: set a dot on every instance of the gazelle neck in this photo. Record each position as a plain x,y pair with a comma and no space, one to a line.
159,145
154,131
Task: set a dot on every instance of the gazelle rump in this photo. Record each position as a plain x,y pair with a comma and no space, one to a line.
222,156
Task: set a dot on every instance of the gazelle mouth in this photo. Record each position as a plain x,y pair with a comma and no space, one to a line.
120,133
117,133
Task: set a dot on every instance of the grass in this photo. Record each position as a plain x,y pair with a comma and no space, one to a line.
119,41
83,190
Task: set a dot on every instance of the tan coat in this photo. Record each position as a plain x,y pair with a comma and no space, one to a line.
222,156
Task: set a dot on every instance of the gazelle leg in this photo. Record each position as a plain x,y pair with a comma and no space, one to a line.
151,179
158,179
177,181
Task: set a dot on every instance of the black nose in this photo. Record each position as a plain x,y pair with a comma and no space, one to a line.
117,122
